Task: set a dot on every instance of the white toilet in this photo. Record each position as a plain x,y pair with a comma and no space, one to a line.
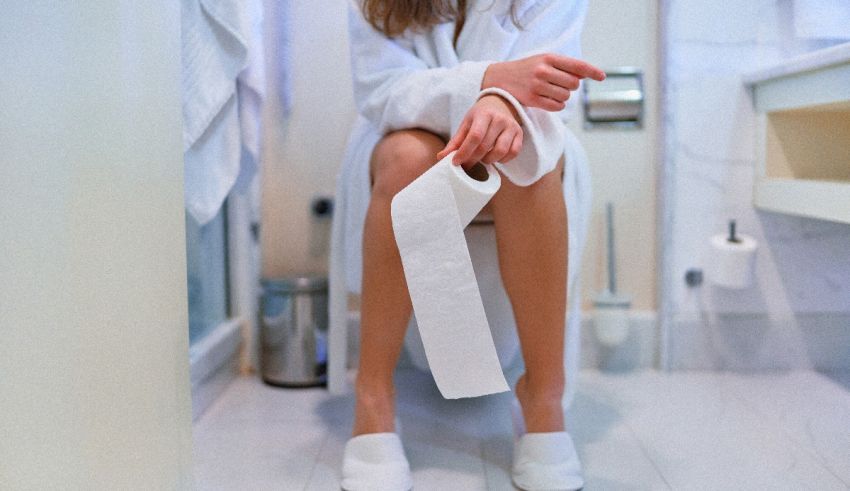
480,236
496,303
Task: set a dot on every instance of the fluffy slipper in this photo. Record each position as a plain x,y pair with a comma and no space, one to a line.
544,461
375,462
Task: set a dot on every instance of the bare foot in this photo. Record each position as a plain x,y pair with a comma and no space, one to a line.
374,410
542,408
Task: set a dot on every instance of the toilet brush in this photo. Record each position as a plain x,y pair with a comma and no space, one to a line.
611,315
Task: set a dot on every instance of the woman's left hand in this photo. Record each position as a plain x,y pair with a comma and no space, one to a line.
490,132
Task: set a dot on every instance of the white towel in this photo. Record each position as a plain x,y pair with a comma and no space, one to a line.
822,19
280,38
212,58
251,91
211,165
220,39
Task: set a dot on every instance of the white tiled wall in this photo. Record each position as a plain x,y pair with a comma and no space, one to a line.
797,313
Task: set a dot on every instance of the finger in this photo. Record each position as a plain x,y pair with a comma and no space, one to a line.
455,141
555,92
516,147
576,67
547,104
562,79
500,149
474,137
497,127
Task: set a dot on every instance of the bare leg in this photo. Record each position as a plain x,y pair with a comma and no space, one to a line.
397,160
531,235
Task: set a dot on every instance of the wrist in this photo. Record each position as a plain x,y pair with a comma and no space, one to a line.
503,103
491,75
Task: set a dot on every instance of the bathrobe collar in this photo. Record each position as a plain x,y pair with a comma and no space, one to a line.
486,19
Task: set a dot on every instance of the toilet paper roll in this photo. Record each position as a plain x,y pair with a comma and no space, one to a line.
732,263
428,218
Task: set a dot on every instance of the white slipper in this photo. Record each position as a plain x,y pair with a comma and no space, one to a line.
375,462
544,461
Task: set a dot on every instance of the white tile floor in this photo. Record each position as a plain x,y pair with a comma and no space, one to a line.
647,430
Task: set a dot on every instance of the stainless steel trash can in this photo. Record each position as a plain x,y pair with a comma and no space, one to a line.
293,333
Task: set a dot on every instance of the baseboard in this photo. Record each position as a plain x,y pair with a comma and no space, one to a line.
819,341
755,341
213,364
638,351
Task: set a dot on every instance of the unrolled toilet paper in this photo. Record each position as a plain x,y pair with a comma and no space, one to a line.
732,263
428,218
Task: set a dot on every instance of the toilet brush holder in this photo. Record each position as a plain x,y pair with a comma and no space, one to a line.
611,315
611,319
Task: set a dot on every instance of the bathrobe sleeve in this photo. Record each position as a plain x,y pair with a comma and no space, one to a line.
395,89
548,26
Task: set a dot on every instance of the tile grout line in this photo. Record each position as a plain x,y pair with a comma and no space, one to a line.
813,454
316,461
483,465
214,407
640,444
645,452
483,459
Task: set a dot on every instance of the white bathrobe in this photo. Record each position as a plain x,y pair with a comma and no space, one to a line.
421,80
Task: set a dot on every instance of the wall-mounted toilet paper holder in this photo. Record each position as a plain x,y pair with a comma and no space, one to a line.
616,102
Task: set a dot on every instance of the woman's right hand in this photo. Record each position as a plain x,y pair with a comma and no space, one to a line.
490,132
542,81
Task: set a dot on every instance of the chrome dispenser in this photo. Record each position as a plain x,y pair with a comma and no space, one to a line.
616,102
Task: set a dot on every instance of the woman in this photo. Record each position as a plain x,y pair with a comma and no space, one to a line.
484,79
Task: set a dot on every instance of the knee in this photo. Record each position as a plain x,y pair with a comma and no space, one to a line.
400,157
542,191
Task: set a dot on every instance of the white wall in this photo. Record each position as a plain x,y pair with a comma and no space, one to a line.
93,326
797,314
302,152
623,163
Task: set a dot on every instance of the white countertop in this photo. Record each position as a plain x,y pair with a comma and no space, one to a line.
810,61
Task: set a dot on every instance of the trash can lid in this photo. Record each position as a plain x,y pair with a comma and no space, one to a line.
296,284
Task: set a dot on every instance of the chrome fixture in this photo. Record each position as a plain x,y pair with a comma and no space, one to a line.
615,102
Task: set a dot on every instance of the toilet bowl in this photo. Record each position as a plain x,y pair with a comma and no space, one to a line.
497,306
499,313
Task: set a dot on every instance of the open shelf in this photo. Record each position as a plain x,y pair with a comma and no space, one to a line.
803,107
809,143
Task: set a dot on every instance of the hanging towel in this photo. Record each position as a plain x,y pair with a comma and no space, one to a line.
212,57
280,38
822,19
251,91
220,40
211,165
